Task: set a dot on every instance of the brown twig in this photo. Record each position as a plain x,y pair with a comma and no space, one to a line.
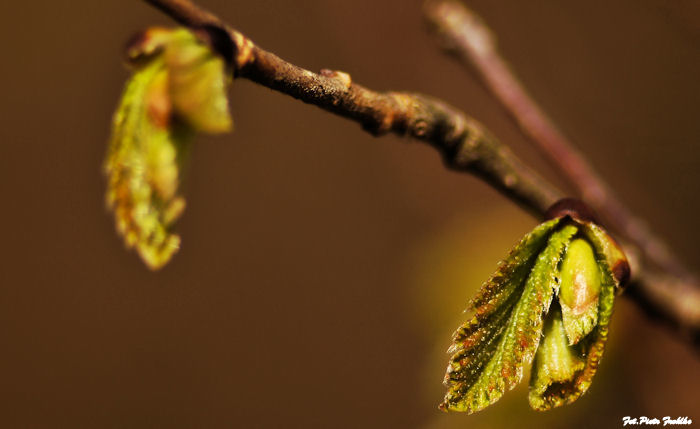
464,143
464,34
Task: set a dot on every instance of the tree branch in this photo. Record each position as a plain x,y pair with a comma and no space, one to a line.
671,287
463,142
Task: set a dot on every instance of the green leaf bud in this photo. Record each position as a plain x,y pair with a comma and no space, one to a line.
579,290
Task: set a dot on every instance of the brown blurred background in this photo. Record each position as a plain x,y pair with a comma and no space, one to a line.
322,270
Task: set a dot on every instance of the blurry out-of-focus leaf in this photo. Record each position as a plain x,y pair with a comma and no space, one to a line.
177,87
198,84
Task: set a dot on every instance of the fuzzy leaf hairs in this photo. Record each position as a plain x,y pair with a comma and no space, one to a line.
550,301
177,87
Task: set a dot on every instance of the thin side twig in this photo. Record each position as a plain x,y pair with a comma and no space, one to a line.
463,142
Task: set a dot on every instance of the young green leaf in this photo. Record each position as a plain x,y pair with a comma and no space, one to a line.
177,87
475,341
492,357
142,167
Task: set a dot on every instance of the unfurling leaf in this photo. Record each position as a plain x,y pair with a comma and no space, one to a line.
567,256
547,393
178,86
580,287
555,362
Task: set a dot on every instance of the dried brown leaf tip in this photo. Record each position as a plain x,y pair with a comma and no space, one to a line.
550,301
178,87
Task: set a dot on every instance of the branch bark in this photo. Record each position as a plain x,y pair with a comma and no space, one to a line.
463,142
